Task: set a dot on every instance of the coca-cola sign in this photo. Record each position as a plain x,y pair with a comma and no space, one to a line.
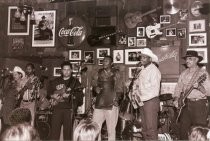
72,31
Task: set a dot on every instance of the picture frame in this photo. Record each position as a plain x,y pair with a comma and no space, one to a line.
131,41
141,42
168,87
101,52
170,32
118,56
140,31
76,67
197,39
132,56
89,57
100,62
15,27
75,55
183,14
57,71
43,32
201,52
132,71
165,19
181,33
197,26
122,40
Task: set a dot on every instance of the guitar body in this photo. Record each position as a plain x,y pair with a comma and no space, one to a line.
93,40
153,31
132,19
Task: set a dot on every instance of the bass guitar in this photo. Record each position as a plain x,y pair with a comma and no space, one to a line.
132,19
183,96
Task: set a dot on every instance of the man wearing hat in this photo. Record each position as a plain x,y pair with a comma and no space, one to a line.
148,86
195,111
44,29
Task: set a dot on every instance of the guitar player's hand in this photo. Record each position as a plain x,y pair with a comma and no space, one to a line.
175,102
65,95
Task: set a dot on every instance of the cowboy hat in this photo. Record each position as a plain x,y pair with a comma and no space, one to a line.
148,52
192,53
18,69
43,17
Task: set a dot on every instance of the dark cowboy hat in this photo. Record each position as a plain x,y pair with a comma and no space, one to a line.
192,53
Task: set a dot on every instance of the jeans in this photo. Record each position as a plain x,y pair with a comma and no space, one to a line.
111,117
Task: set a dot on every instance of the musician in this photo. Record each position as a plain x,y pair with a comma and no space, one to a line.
10,94
195,111
63,108
147,86
107,84
32,93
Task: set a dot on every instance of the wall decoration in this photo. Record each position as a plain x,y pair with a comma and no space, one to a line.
101,52
171,32
131,41
89,57
141,43
183,14
75,54
197,26
132,71
165,19
195,8
17,43
76,67
197,39
100,62
118,56
122,39
201,52
168,87
181,33
43,32
57,71
132,56
140,32
15,27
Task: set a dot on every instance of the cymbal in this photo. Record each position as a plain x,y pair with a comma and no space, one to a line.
172,6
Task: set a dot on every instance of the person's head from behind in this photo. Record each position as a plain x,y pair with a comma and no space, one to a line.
198,133
20,132
86,131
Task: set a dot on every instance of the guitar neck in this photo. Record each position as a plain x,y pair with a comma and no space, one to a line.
149,12
104,36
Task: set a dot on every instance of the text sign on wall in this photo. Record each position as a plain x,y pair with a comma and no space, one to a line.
168,59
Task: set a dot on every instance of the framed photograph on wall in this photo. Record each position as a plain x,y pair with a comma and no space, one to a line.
201,52
43,32
75,54
171,32
122,39
140,31
197,39
165,19
76,67
132,71
57,71
141,42
101,52
15,27
181,33
89,57
197,26
132,56
167,87
118,56
131,41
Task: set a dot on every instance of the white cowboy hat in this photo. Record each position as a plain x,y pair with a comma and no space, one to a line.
148,52
18,69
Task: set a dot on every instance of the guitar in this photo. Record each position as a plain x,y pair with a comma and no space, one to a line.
183,96
96,39
132,19
153,31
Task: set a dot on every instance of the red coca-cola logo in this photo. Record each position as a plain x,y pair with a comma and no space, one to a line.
72,31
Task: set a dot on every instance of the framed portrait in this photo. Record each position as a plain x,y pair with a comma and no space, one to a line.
118,56
100,62
181,33
165,19
167,87
43,32
17,43
171,32
197,26
101,52
57,71
131,41
132,56
132,71
197,39
15,27
140,31
122,39
141,42
76,67
201,52
75,54
89,57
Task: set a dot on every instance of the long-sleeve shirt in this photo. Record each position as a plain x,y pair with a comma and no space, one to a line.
148,82
184,84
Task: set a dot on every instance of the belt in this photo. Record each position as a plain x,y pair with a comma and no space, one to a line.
196,99
28,100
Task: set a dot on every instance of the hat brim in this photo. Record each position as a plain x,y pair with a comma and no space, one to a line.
200,58
153,56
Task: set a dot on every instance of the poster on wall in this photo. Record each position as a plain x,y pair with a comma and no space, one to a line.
43,32
15,27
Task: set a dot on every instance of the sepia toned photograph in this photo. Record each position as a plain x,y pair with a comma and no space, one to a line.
171,32
141,42
181,33
140,31
89,57
165,19
197,26
101,52
197,39
75,54
133,71
131,41
201,52
132,56
57,71
118,56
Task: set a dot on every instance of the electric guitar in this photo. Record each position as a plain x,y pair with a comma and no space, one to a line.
132,19
183,96
153,31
